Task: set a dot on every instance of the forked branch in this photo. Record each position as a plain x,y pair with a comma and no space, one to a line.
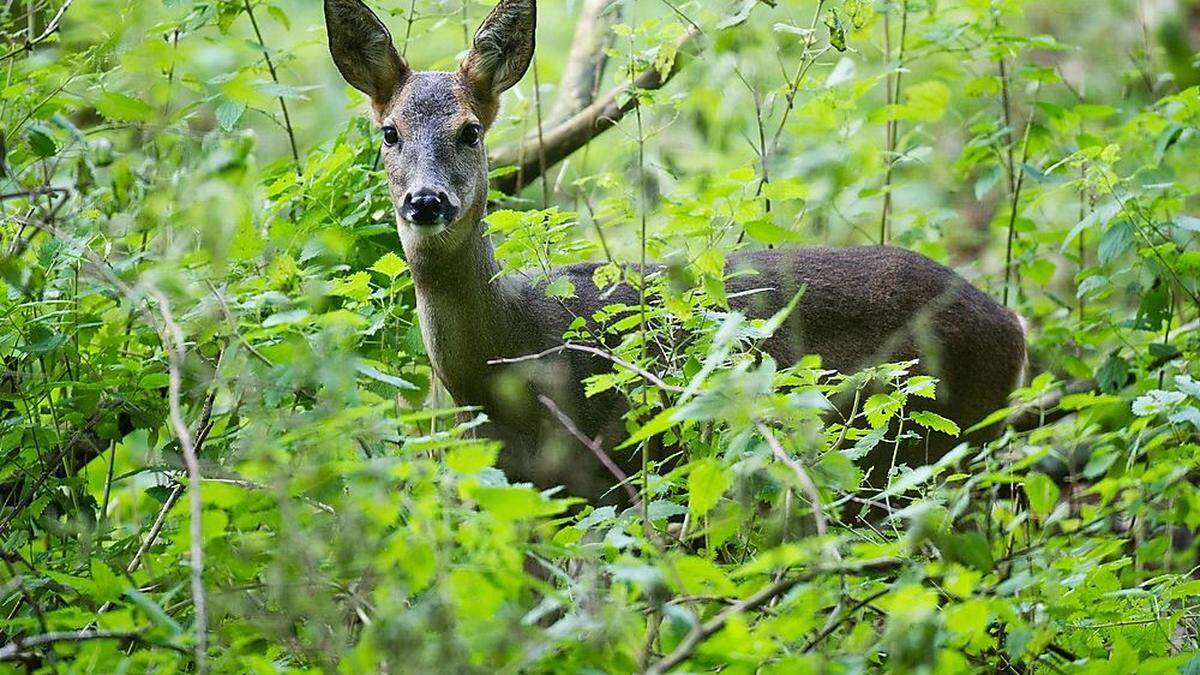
587,59
561,141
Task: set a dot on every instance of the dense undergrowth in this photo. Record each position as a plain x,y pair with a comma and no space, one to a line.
177,280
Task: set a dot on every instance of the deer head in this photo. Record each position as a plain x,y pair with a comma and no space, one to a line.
432,124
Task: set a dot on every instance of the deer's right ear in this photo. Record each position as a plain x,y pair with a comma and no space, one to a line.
363,51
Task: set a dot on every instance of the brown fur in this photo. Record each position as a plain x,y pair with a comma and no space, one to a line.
861,306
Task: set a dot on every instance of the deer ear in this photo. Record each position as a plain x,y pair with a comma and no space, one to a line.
503,48
362,49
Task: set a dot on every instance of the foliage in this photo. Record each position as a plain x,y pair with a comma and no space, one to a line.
351,520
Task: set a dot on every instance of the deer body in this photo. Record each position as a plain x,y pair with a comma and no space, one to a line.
861,306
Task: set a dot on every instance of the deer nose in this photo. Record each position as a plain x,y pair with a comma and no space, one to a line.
426,207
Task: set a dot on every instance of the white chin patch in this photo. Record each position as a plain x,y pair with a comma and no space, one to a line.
425,231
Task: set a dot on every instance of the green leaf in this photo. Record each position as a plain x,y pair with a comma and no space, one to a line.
357,286
41,142
109,586
936,422
228,114
562,288
156,613
707,481
390,265
1041,492
121,108
280,16
516,502
908,481
659,423
927,100
785,190
1117,239
378,376
767,232
880,408
471,459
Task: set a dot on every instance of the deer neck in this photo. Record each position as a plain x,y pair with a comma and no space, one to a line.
463,309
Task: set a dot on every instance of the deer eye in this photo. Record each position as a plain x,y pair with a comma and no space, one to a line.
390,136
470,135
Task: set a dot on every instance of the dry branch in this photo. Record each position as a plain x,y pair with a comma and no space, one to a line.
173,341
587,59
577,131
616,360
594,446
51,29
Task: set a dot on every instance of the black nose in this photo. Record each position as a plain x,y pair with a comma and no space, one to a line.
426,207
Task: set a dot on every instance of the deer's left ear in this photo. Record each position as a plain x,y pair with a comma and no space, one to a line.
503,48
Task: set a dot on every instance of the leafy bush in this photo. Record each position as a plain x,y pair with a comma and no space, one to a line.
199,259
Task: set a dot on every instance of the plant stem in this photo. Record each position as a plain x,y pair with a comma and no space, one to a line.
287,118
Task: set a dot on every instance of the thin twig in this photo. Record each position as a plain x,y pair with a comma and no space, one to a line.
14,650
541,140
251,485
1017,182
176,346
892,84
806,483
287,118
833,626
594,446
773,590
155,529
638,370
51,28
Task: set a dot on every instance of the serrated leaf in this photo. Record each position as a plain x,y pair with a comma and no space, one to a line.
390,265
880,408
122,108
379,376
109,586
707,482
1042,493
357,286
936,422
41,142
1117,239
561,288
228,114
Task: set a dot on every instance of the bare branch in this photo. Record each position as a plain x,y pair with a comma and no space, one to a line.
645,374
594,446
51,29
15,650
577,131
176,346
587,59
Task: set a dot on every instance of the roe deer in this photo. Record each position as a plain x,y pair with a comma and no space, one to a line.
860,306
